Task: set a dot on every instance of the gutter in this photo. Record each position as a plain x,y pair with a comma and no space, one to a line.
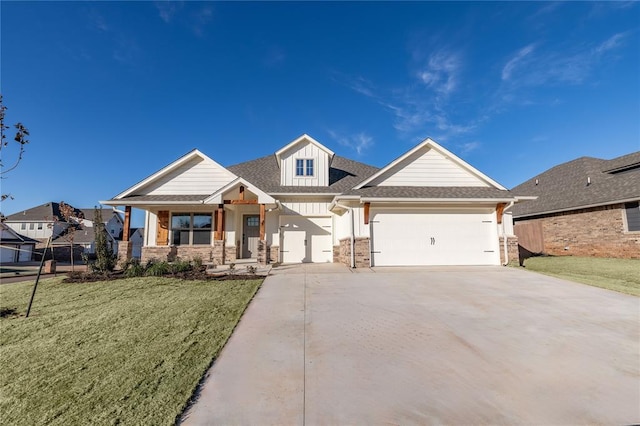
504,236
353,237
438,200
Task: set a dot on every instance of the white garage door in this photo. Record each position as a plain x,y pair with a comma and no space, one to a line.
419,237
7,255
306,239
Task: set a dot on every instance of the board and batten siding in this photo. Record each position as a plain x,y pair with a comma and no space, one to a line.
305,151
429,168
305,207
193,178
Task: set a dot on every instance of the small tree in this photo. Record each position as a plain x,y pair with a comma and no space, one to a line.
105,258
20,138
74,221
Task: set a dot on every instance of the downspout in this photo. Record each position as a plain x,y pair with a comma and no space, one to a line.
353,237
504,236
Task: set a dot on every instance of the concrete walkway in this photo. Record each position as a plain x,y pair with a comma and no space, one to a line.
321,344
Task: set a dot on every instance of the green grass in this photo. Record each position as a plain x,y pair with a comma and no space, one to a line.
128,351
622,275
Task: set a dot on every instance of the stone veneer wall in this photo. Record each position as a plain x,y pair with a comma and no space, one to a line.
230,254
512,249
362,249
262,252
273,254
171,253
125,250
594,232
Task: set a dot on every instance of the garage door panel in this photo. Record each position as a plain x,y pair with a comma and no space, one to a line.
433,238
306,239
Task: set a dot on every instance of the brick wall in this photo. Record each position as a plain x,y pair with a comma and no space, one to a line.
594,232
262,252
230,254
512,249
124,251
361,248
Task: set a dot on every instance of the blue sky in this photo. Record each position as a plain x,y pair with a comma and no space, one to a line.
113,91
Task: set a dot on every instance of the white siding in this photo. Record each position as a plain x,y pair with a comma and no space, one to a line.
429,168
305,207
150,228
341,227
507,224
193,178
305,151
43,233
272,231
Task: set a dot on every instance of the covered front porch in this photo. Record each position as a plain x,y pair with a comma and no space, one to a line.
234,224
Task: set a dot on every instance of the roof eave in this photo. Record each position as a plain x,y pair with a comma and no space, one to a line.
568,209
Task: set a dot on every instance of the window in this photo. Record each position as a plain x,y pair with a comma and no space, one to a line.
191,229
304,167
23,225
32,226
253,221
632,211
39,225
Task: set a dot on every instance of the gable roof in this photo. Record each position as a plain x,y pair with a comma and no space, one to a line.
431,193
107,214
566,186
42,213
428,144
264,172
216,197
166,170
303,139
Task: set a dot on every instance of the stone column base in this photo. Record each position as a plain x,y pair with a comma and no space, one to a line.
125,250
262,252
512,249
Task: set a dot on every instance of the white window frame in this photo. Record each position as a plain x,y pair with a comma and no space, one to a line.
305,167
191,228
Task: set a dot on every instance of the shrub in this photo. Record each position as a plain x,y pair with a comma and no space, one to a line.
179,266
197,262
133,268
251,269
157,269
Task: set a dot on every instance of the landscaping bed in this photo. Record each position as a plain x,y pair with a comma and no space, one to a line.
620,275
126,351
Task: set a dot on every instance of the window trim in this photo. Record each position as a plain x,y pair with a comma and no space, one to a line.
625,218
191,228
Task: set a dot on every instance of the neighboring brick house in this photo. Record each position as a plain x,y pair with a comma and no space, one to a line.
585,207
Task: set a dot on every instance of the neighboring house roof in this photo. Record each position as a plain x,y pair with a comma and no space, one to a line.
580,183
84,235
9,236
107,214
264,172
41,213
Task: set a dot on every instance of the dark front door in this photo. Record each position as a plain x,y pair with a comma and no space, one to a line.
250,236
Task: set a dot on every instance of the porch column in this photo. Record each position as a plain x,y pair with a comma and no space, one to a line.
125,249
127,223
219,222
262,244
218,243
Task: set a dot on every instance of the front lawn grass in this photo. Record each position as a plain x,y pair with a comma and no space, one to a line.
622,275
128,351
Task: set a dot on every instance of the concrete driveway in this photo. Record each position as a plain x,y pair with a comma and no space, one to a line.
480,345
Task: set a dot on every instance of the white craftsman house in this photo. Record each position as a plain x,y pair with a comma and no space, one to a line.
306,204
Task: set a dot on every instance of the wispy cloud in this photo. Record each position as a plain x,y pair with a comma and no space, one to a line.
440,73
196,19
359,142
168,9
517,60
466,148
532,66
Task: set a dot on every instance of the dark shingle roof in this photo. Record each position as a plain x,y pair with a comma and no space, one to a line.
430,192
564,187
44,212
106,214
264,172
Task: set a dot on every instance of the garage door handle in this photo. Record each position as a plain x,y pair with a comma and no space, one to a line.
305,243
433,241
